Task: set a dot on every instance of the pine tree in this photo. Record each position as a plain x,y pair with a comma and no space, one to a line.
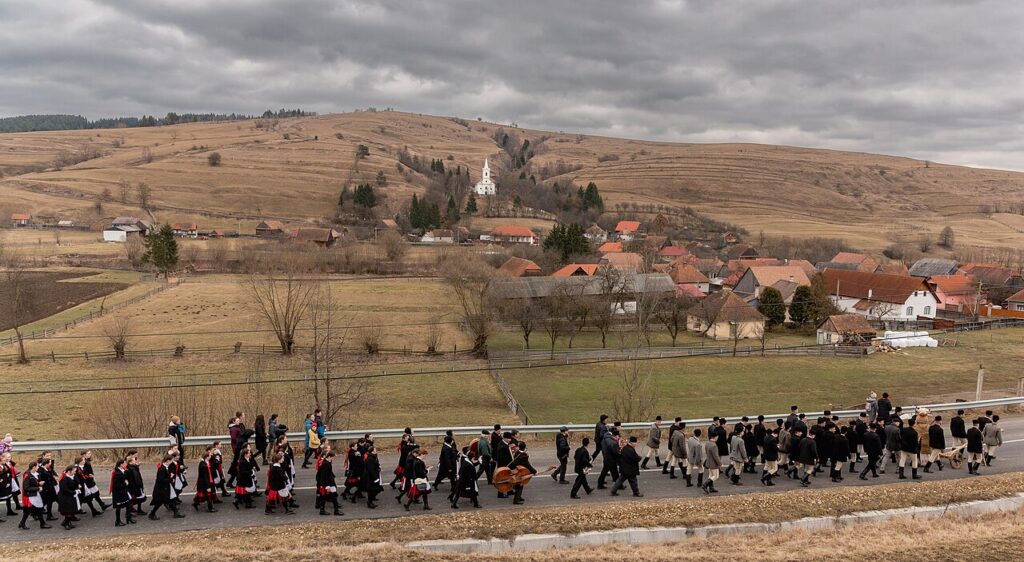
452,213
772,306
365,197
471,204
415,213
800,308
161,249
567,240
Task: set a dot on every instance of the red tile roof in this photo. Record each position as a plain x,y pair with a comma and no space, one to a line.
20,216
627,226
882,286
672,251
690,290
1016,297
625,260
513,231
577,269
184,226
519,267
687,274
610,247
954,284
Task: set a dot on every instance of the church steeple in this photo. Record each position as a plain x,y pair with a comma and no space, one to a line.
485,186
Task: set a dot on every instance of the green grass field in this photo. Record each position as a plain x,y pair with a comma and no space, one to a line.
707,386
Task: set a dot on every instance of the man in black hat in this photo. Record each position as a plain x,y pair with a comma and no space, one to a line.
600,431
653,444
630,461
562,452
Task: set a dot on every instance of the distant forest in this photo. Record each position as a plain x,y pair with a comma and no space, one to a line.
58,122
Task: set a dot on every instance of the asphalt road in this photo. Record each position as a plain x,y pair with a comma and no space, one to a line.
543,491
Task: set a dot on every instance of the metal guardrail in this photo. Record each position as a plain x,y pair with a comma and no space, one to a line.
155,442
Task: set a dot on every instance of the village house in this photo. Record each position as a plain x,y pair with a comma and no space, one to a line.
577,270
740,251
512,234
686,274
596,234
271,228
730,237
631,261
21,219
387,224
725,316
668,254
627,231
957,293
1016,302
930,267
122,227
860,262
1002,279
438,236
880,296
845,329
519,267
185,229
628,288
755,278
323,237
609,247
893,268
208,234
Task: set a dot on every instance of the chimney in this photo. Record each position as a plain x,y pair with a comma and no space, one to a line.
869,294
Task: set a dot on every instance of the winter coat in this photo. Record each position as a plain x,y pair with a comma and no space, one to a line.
957,427
872,444
892,438
771,448
807,451
49,485
654,437
136,486
975,441
737,449
67,496
260,434
909,440
871,408
243,476
840,448
936,437
371,478
695,451
119,495
600,429
922,437
582,460
993,435
561,445
723,441
630,461
162,490
712,461
325,475
884,409
610,450
677,445
277,480
785,441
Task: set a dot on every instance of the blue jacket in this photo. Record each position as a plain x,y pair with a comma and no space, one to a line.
321,430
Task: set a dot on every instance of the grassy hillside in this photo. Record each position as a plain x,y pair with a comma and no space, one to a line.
294,169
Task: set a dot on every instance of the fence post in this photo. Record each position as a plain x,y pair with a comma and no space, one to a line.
981,382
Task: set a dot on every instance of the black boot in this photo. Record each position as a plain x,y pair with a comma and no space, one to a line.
915,476
902,475
853,468
939,464
689,481
700,479
736,480
643,465
770,482
928,467
657,460
806,480
664,468
672,472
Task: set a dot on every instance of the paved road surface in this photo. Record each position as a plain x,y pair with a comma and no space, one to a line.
542,492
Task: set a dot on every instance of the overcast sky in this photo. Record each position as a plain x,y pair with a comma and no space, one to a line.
935,80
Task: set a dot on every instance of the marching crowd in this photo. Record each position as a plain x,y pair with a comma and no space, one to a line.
263,462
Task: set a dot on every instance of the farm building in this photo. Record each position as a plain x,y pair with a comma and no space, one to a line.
21,219
323,237
519,267
930,267
577,269
438,236
741,251
686,274
956,292
624,260
995,276
845,328
120,233
627,231
627,290
860,262
725,316
596,234
757,277
880,295
387,224
512,234
271,228
1016,302
185,229
609,247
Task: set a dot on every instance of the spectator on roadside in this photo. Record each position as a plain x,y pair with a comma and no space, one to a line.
176,436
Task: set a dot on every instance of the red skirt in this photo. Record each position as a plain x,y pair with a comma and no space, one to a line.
240,491
352,481
202,496
273,496
415,492
399,470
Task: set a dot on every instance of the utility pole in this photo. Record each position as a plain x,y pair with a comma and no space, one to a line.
981,382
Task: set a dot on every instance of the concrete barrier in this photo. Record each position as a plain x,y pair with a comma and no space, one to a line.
655,535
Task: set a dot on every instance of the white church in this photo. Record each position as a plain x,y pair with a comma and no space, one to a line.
485,186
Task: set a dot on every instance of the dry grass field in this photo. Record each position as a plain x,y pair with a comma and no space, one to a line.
294,168
995,537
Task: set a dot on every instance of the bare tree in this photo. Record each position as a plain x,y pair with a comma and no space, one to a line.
217,252
552,320
670,310
333,392
147,155
523,313
635,399
282,298
371,337
124,189
17,298
118,333
471,281
602,315
144,192
395,247
134,249
576,309
434,335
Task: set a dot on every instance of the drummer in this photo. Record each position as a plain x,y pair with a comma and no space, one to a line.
520,458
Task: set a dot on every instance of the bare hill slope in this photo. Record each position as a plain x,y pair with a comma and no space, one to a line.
295,168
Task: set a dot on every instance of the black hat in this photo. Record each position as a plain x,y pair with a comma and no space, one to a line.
632,439
563,428
604,417
522,445
657,418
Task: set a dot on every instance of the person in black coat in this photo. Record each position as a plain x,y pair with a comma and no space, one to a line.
562,453
48,483
31,501
217,467
259,430
600,431
503,455
372,481
840,452
583,464
873,449
909,448
206,490
136,485
354,473
163,490
277,486
120,496
723,438
67,497
520,458
447,462
752,446
884,408
467,486
958,429
610,452
937,442
418,470
88,481
404,447
630,469
770,456
326,485
975,447
245,481
806,457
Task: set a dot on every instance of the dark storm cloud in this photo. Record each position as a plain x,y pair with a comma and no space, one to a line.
936,80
